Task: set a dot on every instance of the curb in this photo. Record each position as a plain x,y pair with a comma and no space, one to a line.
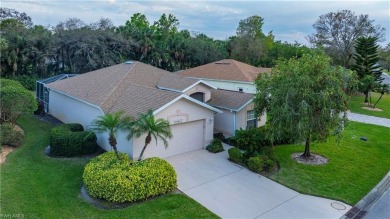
364,205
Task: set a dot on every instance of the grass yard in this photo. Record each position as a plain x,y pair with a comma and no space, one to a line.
354,167
357,102
37,186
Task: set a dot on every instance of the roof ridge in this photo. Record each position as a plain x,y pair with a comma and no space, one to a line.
110,95
237,63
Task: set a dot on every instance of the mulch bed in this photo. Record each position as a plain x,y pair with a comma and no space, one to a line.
5,150
315,159
49,119
372,109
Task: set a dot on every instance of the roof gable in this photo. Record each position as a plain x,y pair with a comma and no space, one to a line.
226,69
231,100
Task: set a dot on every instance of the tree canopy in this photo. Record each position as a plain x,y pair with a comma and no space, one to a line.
303,99
74,46
338,31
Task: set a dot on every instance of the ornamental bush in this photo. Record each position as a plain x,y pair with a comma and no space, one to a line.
236,155
9,136
251,140
215,146
256,164
123,180
70,140
15,100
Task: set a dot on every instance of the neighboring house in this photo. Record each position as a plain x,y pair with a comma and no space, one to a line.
227,74
135,87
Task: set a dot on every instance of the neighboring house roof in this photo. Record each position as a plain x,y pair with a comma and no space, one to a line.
227,70
174,83
231,100
130,86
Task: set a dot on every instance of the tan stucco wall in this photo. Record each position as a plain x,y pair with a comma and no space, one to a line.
241,117
201,88
179,112
71,110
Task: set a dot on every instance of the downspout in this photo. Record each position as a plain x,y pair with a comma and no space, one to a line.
234,122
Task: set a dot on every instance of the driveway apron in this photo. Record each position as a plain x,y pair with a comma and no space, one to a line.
231,191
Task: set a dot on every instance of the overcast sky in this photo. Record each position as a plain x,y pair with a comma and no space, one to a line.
289,20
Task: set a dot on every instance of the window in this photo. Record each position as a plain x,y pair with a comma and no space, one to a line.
251,121
198,96
240,89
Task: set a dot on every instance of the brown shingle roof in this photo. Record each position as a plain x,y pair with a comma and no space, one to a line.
129,87
137,99
175,82
229,99
226,69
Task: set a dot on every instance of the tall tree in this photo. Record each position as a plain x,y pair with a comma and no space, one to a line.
337,32
250,45
80,47
112,123
303,99
251,27
8,13
366,64
156,128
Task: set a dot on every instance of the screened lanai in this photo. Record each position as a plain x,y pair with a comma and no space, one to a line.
42,92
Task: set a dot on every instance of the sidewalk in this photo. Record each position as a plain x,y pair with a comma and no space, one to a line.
368,119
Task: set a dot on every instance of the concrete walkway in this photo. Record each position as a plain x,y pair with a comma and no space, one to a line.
231,191
368,119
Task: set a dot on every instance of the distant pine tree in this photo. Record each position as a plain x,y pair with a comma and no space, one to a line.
366,63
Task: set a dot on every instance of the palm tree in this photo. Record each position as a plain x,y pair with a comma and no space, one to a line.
147,124
382,89
111,123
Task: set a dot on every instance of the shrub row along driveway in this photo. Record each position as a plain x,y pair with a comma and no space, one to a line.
231,191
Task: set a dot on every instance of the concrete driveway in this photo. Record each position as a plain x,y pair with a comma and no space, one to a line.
231,191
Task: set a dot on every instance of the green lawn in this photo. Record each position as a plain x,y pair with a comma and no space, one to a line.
354,167
357,102
41,187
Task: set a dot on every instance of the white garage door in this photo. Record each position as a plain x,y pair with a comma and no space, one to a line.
186,137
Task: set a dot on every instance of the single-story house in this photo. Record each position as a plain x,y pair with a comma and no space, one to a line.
227,74
134,87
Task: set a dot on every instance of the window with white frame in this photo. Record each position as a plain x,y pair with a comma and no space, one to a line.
251,121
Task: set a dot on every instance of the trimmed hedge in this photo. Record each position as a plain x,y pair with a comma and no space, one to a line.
215,146
236,155
256,164
70,140
122,180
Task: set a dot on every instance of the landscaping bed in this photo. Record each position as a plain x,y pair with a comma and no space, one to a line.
43,187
